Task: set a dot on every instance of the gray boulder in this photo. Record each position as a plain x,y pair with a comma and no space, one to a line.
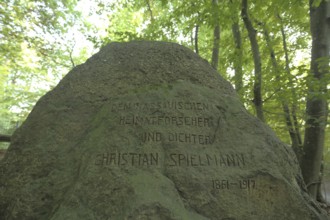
148,130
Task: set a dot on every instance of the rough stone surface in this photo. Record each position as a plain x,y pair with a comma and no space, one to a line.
148,130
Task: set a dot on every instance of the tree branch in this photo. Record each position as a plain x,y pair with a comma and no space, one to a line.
150,11
71,57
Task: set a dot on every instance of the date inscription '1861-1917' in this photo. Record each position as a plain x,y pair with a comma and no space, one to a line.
227,184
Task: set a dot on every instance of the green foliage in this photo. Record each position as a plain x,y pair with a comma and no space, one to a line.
35,52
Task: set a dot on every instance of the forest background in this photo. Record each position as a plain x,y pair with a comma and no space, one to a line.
264,48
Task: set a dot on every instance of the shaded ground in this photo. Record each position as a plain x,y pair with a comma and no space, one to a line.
326,191
325,187
2,153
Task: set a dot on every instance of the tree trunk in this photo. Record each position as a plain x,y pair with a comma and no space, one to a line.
284,103
319,196
293,125
196,39
316,106
5,138
258,103
216,37
238,61
291,84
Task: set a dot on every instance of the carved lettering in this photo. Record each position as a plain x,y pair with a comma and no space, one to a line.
227,184
127,159
190,138
179,121
166,105
178,137
151,137
174,159
220,160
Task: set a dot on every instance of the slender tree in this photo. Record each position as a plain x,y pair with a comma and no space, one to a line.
258,102
216,36
316,105
196,39
238,62
284,102
238,78
293,125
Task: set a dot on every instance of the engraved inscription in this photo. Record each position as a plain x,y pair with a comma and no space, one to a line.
152,137
127,159
178,137
240,184
172,160
176,105
136,120
220,160
190,138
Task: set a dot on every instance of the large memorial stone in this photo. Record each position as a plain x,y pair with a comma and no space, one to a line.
148,130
